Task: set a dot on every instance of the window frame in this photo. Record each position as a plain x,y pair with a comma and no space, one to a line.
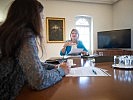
90,23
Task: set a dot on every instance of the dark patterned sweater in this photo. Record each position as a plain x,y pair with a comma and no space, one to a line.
27,68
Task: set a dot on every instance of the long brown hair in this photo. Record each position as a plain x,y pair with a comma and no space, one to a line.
22,14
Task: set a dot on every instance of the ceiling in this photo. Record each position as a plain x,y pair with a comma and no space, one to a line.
91,1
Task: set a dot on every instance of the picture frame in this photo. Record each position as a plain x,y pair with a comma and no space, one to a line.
55,29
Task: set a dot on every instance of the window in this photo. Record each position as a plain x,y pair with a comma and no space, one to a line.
84,26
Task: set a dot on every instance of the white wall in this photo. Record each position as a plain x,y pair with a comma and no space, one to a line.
123,15
4,5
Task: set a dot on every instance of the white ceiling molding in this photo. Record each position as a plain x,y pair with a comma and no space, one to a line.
91,1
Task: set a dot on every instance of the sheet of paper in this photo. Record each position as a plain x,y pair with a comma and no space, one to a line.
87,71
76,51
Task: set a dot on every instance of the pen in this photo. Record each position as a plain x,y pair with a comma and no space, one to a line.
94,72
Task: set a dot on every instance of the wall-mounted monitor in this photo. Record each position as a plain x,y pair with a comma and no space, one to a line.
114,39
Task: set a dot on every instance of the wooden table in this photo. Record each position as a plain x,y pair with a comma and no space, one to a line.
118,86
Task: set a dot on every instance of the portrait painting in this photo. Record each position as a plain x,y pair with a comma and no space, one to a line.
55,28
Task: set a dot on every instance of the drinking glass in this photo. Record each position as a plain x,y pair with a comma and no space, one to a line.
116,60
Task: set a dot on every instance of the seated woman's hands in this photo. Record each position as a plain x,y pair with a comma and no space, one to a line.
69,44
65,67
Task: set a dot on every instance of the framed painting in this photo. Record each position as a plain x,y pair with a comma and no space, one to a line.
55,29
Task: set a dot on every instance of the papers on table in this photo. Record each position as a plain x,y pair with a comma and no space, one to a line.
87,71
75,51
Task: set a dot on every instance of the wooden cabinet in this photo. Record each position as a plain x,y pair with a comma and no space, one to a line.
113,52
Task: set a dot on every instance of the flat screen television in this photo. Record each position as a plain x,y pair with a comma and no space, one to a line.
114,39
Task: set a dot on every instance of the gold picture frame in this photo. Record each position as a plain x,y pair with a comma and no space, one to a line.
55,29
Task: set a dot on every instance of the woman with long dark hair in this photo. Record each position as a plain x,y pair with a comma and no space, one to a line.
19,61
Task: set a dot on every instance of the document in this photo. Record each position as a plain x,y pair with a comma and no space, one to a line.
75,51
87,71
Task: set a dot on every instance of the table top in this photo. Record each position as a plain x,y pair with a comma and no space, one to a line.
118,86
